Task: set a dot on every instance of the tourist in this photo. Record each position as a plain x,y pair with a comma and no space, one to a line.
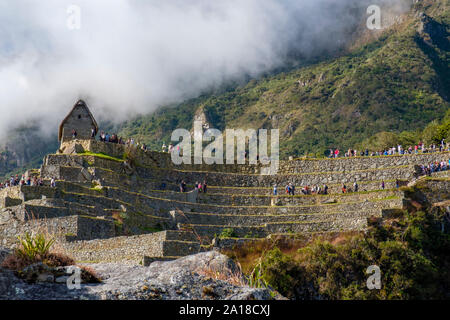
93,133
204,186
382,185
355,187
275,190
183,186
344,188
336,153
74,134
52,183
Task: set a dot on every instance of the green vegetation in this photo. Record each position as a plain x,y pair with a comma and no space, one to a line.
394,89
32,248
227,233
411,252
102,156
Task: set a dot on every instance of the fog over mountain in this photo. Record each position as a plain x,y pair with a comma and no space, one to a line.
131,56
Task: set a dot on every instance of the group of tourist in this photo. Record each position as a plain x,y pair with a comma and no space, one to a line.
290,189
16,181
434,167
199,186
114,138
399,150
170,148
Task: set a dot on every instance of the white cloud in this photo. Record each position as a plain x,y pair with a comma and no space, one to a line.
133,56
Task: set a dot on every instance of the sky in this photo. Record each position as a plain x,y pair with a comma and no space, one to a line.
126,57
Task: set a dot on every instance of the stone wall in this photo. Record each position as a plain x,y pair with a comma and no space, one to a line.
132,248
163,160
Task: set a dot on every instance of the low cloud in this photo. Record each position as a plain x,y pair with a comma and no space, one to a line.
130,57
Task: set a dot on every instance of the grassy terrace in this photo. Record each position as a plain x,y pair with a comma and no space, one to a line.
275,215
299,196
363,182
262,226
217,205
107,157
101,156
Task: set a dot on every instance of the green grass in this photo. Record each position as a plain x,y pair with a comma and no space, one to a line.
102,156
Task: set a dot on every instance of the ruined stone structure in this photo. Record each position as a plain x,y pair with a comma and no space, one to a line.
106,208
80,119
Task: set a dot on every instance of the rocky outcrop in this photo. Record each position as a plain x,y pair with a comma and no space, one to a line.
186,278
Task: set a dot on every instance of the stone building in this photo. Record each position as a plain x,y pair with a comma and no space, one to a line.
79,119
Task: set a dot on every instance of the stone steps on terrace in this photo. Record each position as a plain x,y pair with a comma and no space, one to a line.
261,219
255,180
299,179
349,222
298,199
332,188
259,187
165,245
236,199
161,206
297,209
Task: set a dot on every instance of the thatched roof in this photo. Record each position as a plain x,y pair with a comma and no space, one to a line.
78,104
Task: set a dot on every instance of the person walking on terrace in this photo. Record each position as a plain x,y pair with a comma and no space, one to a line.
183,186
355,187
382,185
275,190
287,189
344,188
204,186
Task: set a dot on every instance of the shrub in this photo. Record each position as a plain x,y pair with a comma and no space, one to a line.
33,248
227,233
410,249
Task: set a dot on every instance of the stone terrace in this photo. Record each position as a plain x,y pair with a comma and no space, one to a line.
104,210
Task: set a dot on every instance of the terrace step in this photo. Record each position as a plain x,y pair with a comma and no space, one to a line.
299,199
137,249
258,220
238,231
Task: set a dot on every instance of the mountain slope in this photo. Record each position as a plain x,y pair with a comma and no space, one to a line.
396,83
